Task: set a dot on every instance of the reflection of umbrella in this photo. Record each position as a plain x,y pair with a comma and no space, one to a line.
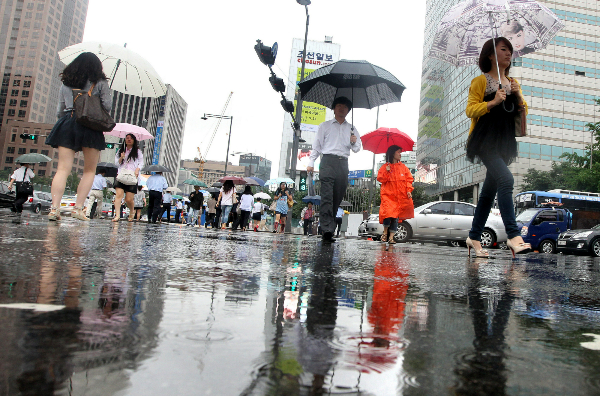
251,182
213,190
127,71
32,158
234,179
195,182
315,199
121,130
345,203
279,180
262,195
155,168
367,85
260,181
173,190
468,25
217,184
110,168
381,139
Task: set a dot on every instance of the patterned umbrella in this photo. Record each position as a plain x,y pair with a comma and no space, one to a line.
527,24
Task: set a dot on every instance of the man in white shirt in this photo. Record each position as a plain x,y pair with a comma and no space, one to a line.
167,199
334,140
156,185
97,193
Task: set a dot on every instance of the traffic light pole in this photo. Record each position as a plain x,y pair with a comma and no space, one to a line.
297,131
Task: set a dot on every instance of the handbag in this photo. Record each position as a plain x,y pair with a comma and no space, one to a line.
290,202
520,122
90,113
273,206
24,187
234,198
127,177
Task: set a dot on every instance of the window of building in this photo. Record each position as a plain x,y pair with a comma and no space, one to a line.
14,92
43,164
10,112
579,73
16,83
12,102
80,162
8,160
13,137
22,150
34,151
23,103
41,172
8,168
25,94
10,150
75,161
22,113
45,152
55,164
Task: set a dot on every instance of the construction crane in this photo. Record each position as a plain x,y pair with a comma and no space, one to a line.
201,159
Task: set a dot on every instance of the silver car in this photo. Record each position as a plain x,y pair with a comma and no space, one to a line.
39,202
448,221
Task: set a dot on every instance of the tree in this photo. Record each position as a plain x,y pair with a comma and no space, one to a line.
73,181
419,196
5,174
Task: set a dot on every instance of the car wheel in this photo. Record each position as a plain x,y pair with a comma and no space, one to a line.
488,238
404,233
454,243
595,247
37,209
547,246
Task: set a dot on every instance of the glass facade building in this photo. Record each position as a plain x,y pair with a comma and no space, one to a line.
559,84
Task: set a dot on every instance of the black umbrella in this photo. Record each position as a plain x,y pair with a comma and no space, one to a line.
217,184
155,168
367,85
213,190
110,168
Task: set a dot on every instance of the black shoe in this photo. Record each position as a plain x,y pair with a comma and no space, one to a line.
328,237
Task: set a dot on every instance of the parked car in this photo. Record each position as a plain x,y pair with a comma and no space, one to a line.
39,202
67,203
7,197
583,241
448,221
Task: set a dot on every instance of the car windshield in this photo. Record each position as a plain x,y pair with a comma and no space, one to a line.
596,227
527,215
420,208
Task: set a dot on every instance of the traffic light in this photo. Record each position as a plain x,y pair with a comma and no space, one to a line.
277,83
26,136
302,185
287,105
110,145
266,54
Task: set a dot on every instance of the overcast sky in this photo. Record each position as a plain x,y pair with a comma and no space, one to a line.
205,50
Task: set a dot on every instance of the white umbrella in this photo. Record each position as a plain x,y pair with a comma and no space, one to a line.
262,195
174,190
127,71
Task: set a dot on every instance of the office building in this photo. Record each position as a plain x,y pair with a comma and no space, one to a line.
31,34
559,84
318,54
13,146
258,166
167,124
214,170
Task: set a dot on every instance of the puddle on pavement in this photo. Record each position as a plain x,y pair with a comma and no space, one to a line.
152,310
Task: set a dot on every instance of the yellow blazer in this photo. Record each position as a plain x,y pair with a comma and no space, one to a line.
476,107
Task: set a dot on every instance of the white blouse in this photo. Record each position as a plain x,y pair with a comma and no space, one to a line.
129,164
19,174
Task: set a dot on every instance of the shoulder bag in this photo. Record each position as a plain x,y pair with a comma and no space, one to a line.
290,202
520,122
234,198
273,206
24,187
90,113
127,177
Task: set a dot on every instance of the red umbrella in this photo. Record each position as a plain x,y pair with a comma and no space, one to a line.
234,179
381,139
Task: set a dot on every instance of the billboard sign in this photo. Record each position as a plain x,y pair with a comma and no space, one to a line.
157,142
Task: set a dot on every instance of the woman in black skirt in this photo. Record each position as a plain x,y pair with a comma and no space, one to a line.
130,158
70,137
492,110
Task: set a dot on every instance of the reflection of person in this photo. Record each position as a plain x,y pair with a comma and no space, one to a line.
128,158
308,215
70,137
19,176
334,141
396,193
339,218
282,195
97,193
156,184
492,140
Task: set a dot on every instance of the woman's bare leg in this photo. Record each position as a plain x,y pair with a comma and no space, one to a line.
65,163
90,160
118,198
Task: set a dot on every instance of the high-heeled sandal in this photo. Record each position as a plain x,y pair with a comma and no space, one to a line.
78,213
384,237
391,239
520,248
478,253
54,214
131,218
116,219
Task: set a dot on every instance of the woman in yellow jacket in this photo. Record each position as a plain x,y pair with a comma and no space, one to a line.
396,193
492,109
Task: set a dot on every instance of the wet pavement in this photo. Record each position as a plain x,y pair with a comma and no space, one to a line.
137,309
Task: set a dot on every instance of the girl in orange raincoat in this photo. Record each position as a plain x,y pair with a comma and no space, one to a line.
396,193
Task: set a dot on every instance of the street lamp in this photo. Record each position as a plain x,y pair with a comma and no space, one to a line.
251,161
297,132
222,117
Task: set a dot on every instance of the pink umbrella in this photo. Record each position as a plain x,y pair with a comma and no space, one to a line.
121,130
